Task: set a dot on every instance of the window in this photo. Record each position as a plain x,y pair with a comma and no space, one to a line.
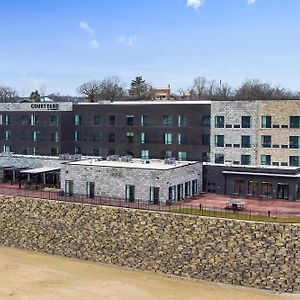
181,121
54,120
253,187
154,195
77,136
205,139
24,120
245,159
53,152
54,137
266,189
187,189
167,120
36,136
246,121
167,138
97,151
206,121
194,187
294,122
266,141
172,193
182,139
219,140
219,121
111,137
246,141
7,119
129,193
179,191
294,142
145,154
143,138
97,136
111,120
35,120
265,159
35,151
266,122
130,137
7,135
294,161
205,156
77,150
23,136
129,120
144,120
77,120
181,155
167,154
97,120
25,151
219,158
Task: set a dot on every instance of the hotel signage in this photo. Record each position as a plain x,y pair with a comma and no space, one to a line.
45,106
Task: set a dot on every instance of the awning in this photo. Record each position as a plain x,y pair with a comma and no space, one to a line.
40,170
16,168
261,174
5,167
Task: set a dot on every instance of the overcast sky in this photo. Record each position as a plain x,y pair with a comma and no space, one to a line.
57,45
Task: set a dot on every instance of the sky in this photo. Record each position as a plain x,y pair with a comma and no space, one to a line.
57,45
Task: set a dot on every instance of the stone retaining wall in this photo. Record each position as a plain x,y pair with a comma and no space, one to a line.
262,255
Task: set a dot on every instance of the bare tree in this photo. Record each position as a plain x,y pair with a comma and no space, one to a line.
7,94
91,90
112,89
199,88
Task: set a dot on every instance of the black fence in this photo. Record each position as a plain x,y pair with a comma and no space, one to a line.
178,207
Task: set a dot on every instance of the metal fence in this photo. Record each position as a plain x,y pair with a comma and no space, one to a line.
178,207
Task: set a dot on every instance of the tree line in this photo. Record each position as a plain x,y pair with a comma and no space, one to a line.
113,89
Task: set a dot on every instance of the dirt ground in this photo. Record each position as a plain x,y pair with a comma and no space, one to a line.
28,275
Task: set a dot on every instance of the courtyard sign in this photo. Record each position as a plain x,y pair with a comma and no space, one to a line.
45,106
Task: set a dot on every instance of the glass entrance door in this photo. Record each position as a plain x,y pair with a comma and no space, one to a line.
283,191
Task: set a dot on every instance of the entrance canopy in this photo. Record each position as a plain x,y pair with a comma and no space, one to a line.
40,170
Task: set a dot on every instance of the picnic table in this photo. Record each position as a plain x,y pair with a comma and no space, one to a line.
235,204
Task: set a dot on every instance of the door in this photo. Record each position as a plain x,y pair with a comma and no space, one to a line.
283,191
239,187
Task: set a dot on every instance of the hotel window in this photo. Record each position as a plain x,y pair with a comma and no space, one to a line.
266,189
167,154
154,195
265,160
97,151
194,187
219,158
129,120
35,151
294,122
24,120
219,121
253,187
143,138
7,119
246,121
167,120
129,193
1,120
130,137
246,141
145,154
35,120
181,139
97,136
266,122
266,141
53,152
97,120
181,155
36,136
219,140
111,137
144,120
187,189
172,193
206,121
77,120
54,120
7,148
167,138
54,137
294,142
181,121
205,139
205,156
77,136
7,135
245,159
111,120
294,161
77,150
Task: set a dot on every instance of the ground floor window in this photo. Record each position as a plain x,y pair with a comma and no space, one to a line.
194,187
90,189
69,187
266,189
283,191
145,154
187,189
129,193
239,187
179,191
172,193
154,195
253,187
219,158
181,155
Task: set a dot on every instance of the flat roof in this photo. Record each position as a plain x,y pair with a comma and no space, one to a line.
40,170
261,174
135,163
146,102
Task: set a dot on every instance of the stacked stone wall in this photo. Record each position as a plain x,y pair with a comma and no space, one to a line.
261,255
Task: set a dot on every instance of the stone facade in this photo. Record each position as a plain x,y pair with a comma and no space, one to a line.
110,178
261,255
232,111
280,131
